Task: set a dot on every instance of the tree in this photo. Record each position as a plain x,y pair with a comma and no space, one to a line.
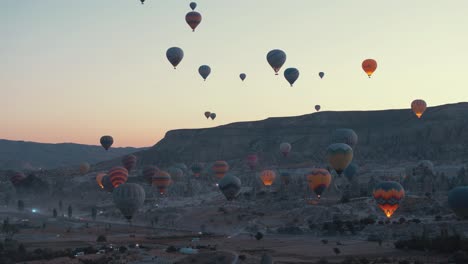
70,211
55,213
20,205
94,213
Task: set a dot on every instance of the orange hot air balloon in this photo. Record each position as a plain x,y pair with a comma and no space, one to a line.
388,196
118,175
268,177
220,168
418,106
369,66
318,180
99,177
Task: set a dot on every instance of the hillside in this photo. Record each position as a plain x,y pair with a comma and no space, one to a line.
19,155
385,137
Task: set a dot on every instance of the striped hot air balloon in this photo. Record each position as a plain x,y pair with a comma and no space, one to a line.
268,177
252,161
220,168
118,175
149,172
388,195
17,177
318,180
129,162
196,168
339,156
161,181
193,19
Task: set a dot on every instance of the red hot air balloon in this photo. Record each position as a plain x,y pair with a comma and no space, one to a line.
17,178
118,176
252,161
129,162
369,66
220,168
418,106
193,19
162,180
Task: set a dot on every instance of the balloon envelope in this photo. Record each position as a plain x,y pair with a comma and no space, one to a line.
276,58
129,197
207,114
230,186
285,148
252,161
162,180
220,168
84,168
268,177
129,162
369,66
317,107
193,19
118,175
204,71
149,172
212,116
17,177
321,74
388,195
193,5
339,156
291,75
106,142
242,76
318,180
418,106
346,136
175,55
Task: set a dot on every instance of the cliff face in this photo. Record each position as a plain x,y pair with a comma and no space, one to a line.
388,136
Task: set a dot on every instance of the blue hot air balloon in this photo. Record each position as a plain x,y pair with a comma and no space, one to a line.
291,75
276,58
204,71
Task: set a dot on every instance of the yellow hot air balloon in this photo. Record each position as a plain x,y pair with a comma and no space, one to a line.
318,180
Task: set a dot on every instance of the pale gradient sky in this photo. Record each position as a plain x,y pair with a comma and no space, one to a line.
72,71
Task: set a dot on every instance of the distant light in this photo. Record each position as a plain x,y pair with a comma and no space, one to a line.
200,233
229,237
34,210
137,245
217,185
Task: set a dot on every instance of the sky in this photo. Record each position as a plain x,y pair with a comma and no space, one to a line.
72,71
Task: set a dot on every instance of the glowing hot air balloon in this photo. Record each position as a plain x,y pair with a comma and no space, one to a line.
118,176
175,55
204,71
99,178
369,66
276,58
418,106
291,75
268,177
318,180
193,19
388,195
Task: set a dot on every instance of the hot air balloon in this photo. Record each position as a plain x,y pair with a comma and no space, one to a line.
204,71
162,180
193,19
207,114
252,160
99,178
388,195
242,76
345,135
230,186
369,66
175,55
118,176
317,108
268,177
16,178
276,58
212,116
193,5
220,168
339,156
196,168
129,162
291,75
149,172
107,184
351,170
285,177
418,106
176,174
321,74
318,180
106,142
285,148
142,1
458,201
129,197
84,168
